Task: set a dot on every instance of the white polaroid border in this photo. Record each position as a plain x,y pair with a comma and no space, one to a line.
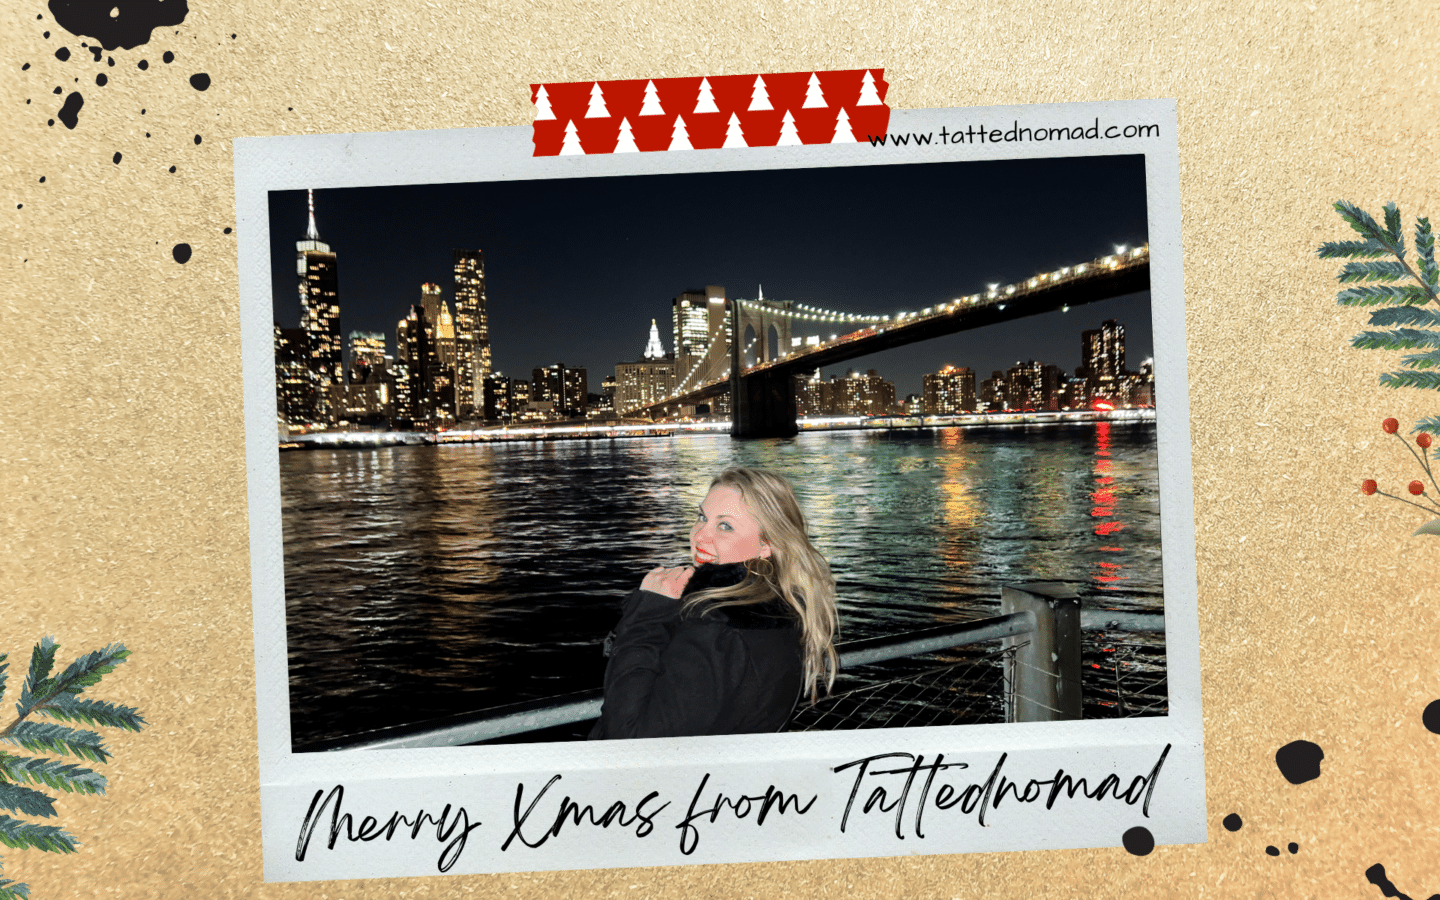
887,792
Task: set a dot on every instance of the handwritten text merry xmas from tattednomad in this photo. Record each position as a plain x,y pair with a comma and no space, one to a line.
900,785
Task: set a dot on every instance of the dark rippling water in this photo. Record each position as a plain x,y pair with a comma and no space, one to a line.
426,581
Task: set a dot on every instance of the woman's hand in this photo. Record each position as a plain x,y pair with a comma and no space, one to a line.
668,582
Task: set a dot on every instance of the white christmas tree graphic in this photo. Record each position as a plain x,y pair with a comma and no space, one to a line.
868,94
542,105
705,103
679,138
813,98
843,134
627,140
789,137
733,135
759,99
597,108
651,106
571,146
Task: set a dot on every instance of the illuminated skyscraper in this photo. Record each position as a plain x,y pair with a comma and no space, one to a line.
472,331
1102,355
320,315
414,397
699,323
367,355
440,332
949,391
294,392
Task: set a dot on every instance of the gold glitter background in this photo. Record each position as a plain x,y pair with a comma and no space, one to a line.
121,442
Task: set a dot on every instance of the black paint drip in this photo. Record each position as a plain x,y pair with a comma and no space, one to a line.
130,28
1299,761
200,81
62,54
70,112
1376,876
168,57
1233,822
181,252
101,79
1138,840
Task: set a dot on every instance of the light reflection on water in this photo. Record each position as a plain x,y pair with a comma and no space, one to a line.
426,581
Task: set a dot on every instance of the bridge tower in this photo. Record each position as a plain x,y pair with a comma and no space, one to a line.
762,404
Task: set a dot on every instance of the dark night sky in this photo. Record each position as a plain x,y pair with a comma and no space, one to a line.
576,269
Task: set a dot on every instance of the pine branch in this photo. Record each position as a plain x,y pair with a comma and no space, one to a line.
1377,294
4,666
1395,229
1431,425
42,736
1373,271
1362,222
25,801
1405,315
1421,360
18,834
1425,253
1429,381
42,659
13,890
67,708
90,668
1396,339
1353,250
62,776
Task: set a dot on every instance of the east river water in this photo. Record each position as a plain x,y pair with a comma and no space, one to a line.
426,581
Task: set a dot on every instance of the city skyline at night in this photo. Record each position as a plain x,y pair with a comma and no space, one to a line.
576,269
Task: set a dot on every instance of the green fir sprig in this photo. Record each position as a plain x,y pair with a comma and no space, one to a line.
54,698
1402,292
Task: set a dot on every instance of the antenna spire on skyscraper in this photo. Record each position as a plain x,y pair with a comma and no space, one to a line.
312,233
654,349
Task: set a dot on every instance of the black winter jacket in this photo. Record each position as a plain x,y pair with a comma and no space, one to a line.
732,670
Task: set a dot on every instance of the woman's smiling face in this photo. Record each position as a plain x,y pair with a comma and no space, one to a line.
726,531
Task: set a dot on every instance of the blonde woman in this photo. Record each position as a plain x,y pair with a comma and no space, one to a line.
727,645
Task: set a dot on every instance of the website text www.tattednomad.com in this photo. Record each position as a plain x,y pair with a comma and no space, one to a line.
1017,132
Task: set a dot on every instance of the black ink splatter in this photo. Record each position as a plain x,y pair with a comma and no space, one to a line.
51,123
227,231
59,89
101,79
27,101
172,169
1376,876
19,206
24,67
117,158
1431,717
96,51
1233,822
47,34
200,81
168,57
42,179
70,112
1293,847
130,28
143,64
1299,761
1272,851
62,54
147,134
110,61
1139,840
197,140
181,253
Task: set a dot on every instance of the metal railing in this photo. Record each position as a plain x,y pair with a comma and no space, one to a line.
1036,675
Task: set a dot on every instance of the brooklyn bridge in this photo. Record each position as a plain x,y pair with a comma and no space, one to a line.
755,360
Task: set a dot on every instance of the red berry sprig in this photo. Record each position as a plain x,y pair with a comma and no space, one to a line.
1368,487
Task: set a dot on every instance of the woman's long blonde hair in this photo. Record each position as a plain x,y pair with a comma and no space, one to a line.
795,572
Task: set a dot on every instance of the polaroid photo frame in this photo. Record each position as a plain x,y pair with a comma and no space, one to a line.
854,792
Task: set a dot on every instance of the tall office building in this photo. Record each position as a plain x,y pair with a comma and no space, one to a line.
949,391
495,399
440,332
472,332
1102,355
294,392
320,315
564,387
414,398
367,355
700,318
857,394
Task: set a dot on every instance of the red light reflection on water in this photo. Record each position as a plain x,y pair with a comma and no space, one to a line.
1102,510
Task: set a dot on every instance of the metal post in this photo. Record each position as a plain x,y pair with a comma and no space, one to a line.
1043,671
